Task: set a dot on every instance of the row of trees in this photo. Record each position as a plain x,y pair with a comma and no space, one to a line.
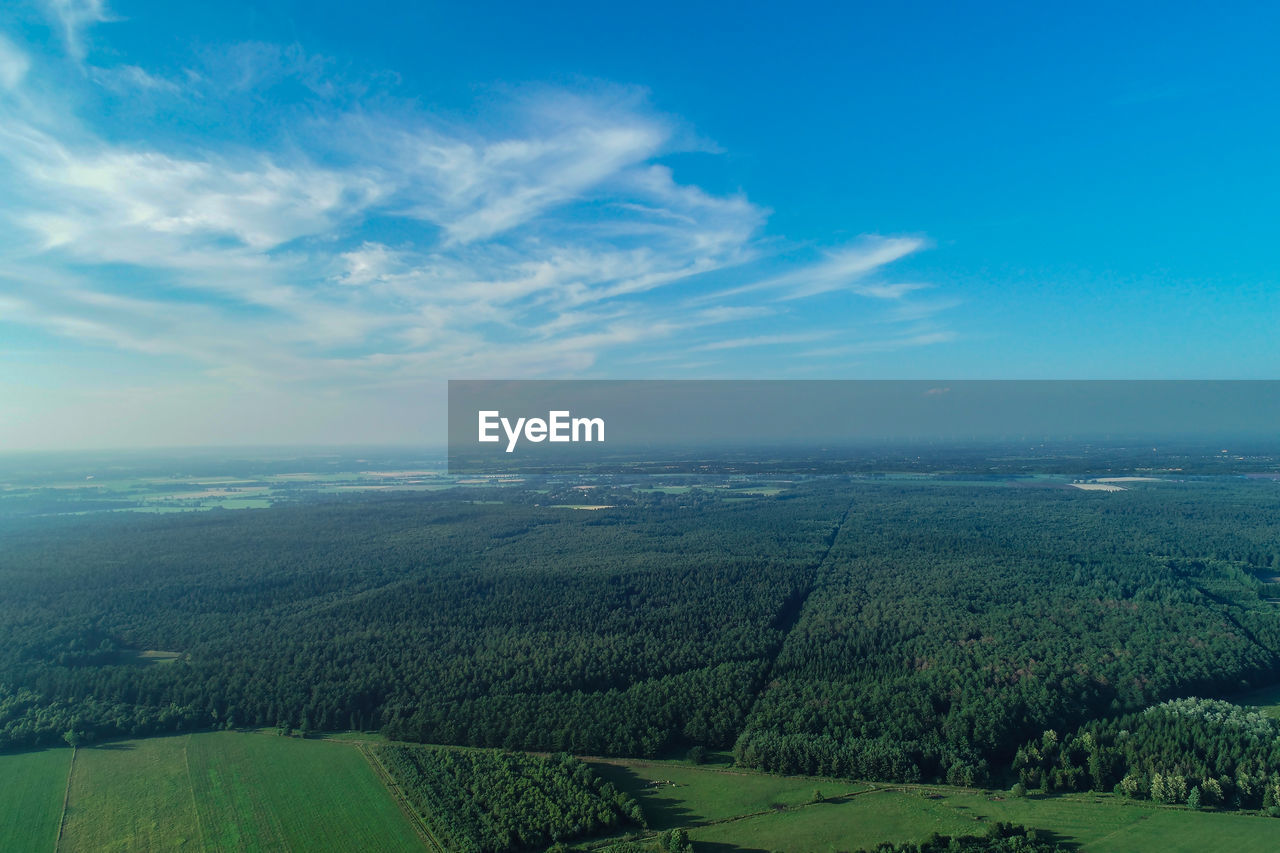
1001,837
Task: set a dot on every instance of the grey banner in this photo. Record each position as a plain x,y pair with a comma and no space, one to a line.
784,425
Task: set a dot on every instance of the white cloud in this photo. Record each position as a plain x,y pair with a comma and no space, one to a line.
128,79
14,64
75,16
265,232
917,339
211,221
905,312
476,190
844,269
764,341
374,250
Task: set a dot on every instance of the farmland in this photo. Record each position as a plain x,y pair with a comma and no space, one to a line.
32,785
228,791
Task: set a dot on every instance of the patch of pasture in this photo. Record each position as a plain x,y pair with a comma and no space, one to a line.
747,811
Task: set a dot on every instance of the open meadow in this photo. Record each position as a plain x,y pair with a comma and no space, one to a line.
730,810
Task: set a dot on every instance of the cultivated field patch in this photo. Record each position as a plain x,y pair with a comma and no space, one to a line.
131,795
32,785
224,791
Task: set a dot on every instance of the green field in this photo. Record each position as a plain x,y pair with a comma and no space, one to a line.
741,810
131,795
1113,824
727,810
229,791
685,795
850,823
32,785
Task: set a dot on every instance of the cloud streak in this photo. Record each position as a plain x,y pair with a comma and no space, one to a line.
13,64
356,245
74,17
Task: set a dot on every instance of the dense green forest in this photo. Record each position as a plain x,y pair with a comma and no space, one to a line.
1202,752
949,625
436,618
845,627
486,801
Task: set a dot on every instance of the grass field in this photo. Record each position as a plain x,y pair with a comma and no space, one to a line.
1110,824
851,823
32,785
132,795
702,795
728,811
230,791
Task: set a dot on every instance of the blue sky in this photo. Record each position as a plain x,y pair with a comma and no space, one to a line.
291,222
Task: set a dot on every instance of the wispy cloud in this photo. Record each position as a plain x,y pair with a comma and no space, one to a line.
130,79
74,17
847,268
764,341
364,243
918,339
257,230
13,63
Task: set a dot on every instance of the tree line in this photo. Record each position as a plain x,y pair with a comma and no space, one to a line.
1204,753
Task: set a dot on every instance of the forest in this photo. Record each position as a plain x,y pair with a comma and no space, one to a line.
436,618
948,626
1202,752
488,801
909,631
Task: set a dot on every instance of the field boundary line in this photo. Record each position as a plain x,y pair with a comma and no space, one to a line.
393,787
66,798
191,786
